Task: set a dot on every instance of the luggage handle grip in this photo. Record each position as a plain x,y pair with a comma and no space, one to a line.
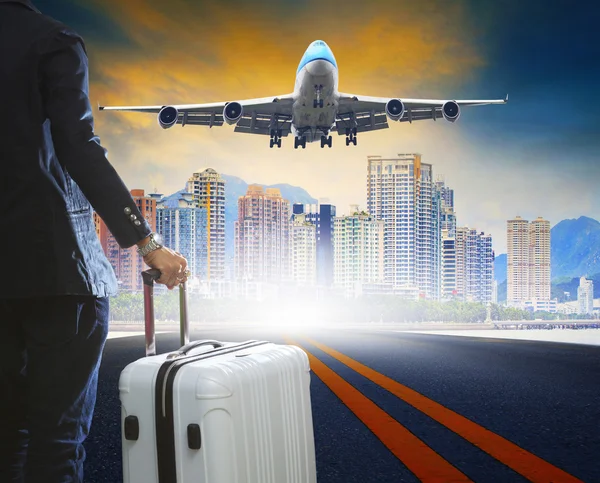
197,343
193,345
149,277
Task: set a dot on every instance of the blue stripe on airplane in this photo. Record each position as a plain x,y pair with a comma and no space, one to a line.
317,51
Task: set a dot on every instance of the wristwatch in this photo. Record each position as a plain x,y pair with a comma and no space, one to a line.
154,244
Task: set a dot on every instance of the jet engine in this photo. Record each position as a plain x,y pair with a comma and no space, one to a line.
451,111
232,112
167,117
394,109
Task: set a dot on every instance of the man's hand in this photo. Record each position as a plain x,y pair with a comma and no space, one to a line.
172,266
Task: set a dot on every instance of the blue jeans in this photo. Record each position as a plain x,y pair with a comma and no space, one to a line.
50,352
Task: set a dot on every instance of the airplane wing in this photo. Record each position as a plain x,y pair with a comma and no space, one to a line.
368,113
259,116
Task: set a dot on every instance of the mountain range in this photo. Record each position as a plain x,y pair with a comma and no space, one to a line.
575,248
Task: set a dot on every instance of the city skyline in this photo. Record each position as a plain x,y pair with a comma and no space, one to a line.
398,246
522,158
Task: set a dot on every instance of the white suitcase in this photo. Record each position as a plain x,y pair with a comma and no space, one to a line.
216,412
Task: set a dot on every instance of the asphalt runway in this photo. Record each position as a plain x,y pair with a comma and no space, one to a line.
402,407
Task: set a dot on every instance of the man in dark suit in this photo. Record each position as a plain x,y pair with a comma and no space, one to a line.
55,279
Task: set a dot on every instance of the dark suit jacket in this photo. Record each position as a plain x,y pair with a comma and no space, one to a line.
53,170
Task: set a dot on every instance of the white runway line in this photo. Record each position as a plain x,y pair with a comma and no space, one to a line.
568,336
116,334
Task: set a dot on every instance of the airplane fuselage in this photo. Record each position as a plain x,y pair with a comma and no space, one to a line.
315,93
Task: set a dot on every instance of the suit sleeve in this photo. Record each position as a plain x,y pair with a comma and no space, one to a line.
64,85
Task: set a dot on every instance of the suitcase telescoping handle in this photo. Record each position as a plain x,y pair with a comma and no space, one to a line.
148,277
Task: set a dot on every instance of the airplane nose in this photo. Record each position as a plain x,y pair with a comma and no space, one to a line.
319,67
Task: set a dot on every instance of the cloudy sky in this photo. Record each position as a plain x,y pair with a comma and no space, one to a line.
536,156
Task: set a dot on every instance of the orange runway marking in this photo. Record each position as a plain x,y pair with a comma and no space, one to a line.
419,458
523,462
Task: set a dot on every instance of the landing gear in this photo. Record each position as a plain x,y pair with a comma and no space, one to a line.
318,101
275,138
350,136
300,141
325,140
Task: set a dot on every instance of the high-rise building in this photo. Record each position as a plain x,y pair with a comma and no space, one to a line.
539,259
585,296
448,265
321,215
358,250
208,190
303,251
262,236
485,253
474,265
126,263
528,260
517,261
447,213
447,194
460,244
182,224
401,192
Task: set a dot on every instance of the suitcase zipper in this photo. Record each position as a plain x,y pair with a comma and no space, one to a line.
165,425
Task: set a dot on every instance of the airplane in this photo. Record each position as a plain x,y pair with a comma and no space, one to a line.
312,111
